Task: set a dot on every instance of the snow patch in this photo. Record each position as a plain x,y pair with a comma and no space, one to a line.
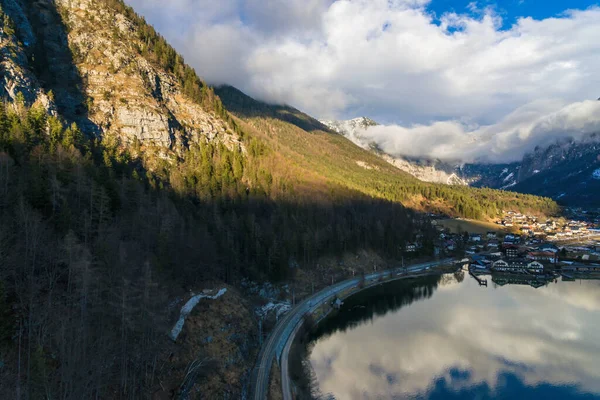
278,308
366,165
187,309
513,183
596,174
537,171
509,177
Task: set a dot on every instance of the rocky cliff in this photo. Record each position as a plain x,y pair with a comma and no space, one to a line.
89,57
543,159
565,171
17,76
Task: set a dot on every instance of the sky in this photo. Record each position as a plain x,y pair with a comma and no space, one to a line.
439,75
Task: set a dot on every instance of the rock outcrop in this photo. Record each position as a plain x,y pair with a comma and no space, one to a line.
99,76
17,76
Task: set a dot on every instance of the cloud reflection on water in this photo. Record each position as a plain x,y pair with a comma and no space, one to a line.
469,336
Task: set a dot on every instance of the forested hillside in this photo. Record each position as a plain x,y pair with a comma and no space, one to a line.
307,144
124,181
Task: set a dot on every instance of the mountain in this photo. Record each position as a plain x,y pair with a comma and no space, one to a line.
103,68
351,129
130,83
566,171
563,171
434,171
129,187
317,153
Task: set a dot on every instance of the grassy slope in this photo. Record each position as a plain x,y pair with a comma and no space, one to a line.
313,157
462,225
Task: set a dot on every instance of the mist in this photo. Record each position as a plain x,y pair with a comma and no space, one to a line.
536,124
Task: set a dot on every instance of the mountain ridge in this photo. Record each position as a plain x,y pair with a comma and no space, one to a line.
518,176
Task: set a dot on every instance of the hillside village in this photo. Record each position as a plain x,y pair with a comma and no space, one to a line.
526,247
581,225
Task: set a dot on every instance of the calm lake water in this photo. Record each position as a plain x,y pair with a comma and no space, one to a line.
448,338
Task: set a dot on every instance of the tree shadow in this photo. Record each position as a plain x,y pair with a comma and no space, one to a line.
245,106
375,302
54,63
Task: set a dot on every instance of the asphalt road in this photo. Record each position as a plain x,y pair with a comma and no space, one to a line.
278,343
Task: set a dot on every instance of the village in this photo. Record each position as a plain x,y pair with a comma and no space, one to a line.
522,249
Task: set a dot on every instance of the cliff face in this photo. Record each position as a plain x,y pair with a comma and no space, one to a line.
17,76
565,171
91,57
543,159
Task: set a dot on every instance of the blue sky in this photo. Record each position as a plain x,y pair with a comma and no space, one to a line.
511,10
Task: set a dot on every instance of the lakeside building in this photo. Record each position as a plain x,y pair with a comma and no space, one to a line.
518,265
511,251
546,256
576,267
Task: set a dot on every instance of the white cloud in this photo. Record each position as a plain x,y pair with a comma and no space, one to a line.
390,60
535,124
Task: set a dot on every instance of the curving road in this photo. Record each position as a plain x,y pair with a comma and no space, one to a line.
278,343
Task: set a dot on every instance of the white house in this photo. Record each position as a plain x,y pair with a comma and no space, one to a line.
517,266
476,238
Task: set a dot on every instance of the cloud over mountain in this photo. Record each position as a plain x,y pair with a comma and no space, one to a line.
535,124
393,61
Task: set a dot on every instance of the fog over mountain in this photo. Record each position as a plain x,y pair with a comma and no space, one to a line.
507,141
443,85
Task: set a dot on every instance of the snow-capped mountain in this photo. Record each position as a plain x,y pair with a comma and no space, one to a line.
351,129
567,170
425,170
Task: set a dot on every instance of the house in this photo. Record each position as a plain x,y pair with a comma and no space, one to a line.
481,264
517,265
494,243
475,238
500,265
511,251
526,230
575,267
547,256
548,247
411,247
491,235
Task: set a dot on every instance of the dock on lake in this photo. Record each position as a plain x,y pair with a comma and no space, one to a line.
481,281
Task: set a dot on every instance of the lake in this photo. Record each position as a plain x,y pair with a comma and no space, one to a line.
446,337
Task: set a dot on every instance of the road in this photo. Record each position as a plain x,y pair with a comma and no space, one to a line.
278,339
